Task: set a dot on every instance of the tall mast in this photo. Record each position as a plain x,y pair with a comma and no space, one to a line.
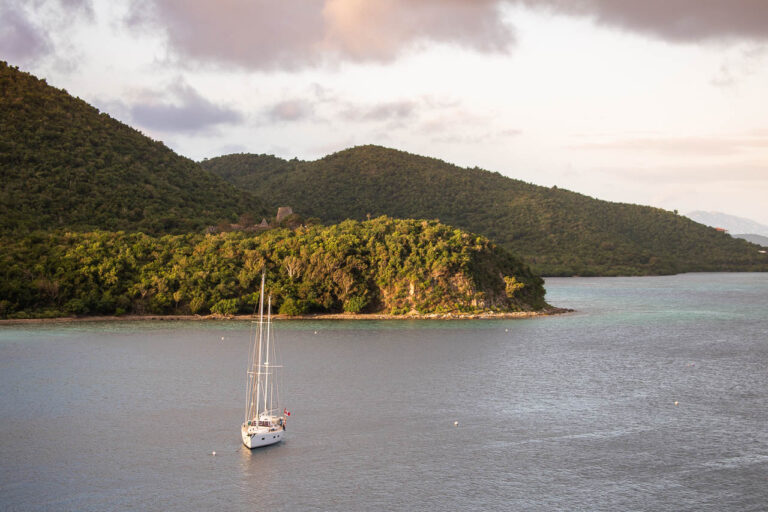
258,365
252,373
249,378
267,391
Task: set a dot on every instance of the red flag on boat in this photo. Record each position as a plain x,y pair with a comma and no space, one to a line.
285,411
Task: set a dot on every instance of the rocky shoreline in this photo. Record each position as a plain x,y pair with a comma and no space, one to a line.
329,316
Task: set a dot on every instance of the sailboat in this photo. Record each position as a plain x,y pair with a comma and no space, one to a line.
264,421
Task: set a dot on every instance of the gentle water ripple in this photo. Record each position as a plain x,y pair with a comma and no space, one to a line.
575,412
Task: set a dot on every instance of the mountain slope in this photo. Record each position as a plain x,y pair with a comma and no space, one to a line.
557,231
64,164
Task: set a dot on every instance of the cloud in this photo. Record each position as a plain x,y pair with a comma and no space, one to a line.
264,34
735,68
672,20
189,112
290,110
294,34
398,110
380,29
324,105
21,39
25,26
79,7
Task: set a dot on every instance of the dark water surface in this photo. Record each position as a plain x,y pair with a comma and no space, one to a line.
575,412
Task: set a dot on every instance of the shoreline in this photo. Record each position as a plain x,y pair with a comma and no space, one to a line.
551,311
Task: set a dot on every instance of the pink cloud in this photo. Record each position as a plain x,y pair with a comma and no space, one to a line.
294,34
263,34
672,20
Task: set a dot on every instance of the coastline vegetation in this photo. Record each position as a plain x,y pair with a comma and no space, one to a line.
382,265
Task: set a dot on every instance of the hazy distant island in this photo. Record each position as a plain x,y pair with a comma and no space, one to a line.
738,227
98,219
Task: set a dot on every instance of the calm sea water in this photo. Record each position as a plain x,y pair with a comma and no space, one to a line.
575,412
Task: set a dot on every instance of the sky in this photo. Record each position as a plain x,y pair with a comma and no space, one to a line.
656,102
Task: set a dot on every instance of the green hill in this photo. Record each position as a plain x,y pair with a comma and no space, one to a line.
387,265
557,231
64,164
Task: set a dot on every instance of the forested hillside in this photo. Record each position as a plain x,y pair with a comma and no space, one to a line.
63,164
556,231
96,218
382,265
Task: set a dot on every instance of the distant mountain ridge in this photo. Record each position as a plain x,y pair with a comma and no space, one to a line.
755,239
557,231
732,223
64,164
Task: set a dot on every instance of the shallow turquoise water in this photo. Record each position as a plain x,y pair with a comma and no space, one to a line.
574,412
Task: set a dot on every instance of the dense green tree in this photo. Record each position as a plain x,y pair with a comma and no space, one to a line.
556,231
63,164
384,264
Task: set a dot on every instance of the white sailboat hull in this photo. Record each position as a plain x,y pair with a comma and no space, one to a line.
262,437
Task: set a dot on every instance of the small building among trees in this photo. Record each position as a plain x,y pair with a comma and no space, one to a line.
283,212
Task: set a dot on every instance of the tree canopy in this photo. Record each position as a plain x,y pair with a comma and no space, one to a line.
63,164
382,265
556,231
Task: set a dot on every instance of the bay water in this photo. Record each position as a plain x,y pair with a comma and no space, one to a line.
653,395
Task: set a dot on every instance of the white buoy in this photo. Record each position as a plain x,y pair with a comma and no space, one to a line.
315,332
506,330
675,402
455,423
213,453
222,338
